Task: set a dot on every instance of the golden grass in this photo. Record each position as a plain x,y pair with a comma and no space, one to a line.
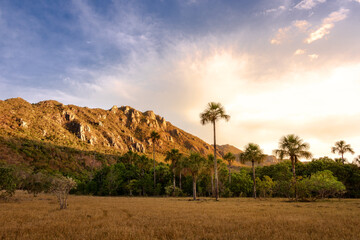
177,218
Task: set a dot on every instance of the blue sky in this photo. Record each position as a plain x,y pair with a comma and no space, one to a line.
278,66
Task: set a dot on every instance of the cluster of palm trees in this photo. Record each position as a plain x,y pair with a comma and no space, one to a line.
291,147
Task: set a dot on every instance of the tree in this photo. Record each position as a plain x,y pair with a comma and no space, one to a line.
174,156
213,113
293,147
195,164
154,136
357,160
230,158
7,182
252,154
61,187
341,148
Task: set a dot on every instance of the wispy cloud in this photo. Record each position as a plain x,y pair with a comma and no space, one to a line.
299,52
327,24
308,4
283,33
313,56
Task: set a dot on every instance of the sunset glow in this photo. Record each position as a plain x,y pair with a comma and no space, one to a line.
278,67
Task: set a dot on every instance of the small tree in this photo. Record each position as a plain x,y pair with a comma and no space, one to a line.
252,154
7,182
265,186
61,187
174,156
154,136
230,158
195,164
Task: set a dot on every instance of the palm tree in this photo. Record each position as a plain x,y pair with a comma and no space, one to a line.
213,113
293,147
154,136
230,158
341,148
357,160
174,156
195,164
252,154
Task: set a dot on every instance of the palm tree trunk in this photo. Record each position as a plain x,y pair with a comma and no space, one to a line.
212,185
229,175
180,179
342,158
294,175
194,188
154,165
215,166
174,185
253,168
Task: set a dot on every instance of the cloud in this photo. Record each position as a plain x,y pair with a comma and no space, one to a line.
274,10
283,33
308,4
280,36
299,52
327,25
313,56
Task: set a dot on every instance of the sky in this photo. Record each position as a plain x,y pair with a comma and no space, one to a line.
277,66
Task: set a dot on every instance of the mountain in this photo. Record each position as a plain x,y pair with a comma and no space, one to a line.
223,149
59,133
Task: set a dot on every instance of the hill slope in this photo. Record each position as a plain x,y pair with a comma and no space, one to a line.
50,124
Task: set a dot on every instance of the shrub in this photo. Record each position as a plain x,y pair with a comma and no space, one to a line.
7,182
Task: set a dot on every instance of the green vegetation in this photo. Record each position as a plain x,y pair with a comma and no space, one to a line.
252,154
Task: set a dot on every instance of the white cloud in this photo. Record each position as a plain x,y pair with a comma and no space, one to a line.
308,4
281,35
313,56
327,24
302,25
299,52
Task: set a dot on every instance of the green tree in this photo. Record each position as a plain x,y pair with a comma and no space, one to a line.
213,113
341,148
266,186
295,148
174,157
195,164
252,154
7,182
154,136
230,158
321,184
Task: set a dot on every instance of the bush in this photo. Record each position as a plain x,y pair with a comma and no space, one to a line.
265,186
170,189
7,182
320,185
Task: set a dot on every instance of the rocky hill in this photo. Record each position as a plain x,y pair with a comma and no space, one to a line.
86,130
223,149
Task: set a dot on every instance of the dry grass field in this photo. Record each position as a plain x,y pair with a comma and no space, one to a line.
27,217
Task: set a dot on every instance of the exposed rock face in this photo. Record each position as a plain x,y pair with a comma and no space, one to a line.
118,129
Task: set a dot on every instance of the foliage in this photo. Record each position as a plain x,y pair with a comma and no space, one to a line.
320,185
169,190
265,186
61,187
341,148
7,182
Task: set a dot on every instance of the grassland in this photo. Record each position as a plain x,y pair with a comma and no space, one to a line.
87,217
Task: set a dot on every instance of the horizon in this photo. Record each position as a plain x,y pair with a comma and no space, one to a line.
278,67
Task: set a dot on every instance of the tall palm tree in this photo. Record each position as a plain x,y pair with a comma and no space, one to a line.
154,136
252,154
341,148
195,164
294,147
174,156
230,158
213,113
